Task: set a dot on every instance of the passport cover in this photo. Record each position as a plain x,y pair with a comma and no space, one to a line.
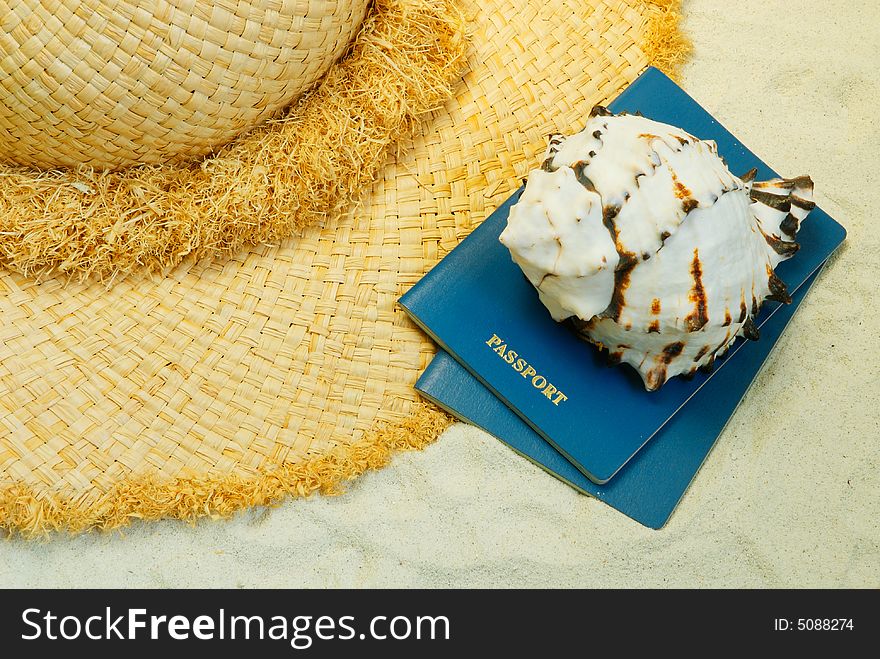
477,292
648,488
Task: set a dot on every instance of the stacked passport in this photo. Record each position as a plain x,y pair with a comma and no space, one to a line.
508,368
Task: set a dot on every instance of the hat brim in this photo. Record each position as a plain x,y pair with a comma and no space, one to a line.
288,369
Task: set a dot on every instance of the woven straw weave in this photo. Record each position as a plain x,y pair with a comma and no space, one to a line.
110,83
289,367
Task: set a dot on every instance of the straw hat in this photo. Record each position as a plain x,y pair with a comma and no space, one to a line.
288,368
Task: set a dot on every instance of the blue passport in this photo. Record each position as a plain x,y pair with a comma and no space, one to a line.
476,293
650,486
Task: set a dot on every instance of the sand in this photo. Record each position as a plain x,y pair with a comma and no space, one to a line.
790,495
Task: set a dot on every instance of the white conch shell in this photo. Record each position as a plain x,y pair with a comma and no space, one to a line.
637,232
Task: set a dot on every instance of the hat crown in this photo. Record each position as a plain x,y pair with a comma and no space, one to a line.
112,83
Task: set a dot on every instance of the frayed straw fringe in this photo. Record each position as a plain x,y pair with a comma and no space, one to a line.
663,42
266,186
31,514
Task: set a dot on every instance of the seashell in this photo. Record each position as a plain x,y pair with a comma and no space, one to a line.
639,234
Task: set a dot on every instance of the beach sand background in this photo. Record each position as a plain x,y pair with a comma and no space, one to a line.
790,496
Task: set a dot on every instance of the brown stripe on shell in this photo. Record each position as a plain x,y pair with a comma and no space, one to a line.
648,136
656,377
608,215
743,310
702,353
626,262
779,202
727,318
709,366
614,358
750,331
547,165
689,204
785,248
804,182
600,111
681,190
697,320
618,297
581,177
789,225
750,175
671,351
778,289
655,306
801,182
654,327
803,204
